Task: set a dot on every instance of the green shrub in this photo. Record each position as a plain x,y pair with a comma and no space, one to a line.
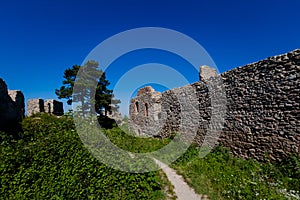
48,161
290,169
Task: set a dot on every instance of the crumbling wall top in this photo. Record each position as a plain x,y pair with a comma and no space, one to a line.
14,94
206,73
145,90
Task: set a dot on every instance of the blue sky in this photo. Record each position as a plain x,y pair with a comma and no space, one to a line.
40,39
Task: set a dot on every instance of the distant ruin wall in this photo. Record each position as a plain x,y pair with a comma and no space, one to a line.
11,107
18,97
114,114
50,106
54,107
35,106
263,109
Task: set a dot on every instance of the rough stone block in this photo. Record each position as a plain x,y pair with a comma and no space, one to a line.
206,73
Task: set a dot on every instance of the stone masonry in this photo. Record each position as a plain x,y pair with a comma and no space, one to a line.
11,107
115,114
145,111
50,106
262,115
18,97
53,107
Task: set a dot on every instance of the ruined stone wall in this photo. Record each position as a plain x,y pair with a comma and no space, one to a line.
50,106
53,107
18,97
144,112
11,107
114,114
262,120
35,106
263,115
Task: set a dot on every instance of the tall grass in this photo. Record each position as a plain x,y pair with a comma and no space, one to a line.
222,176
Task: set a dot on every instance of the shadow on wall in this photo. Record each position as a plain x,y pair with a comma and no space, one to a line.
50,106
12,108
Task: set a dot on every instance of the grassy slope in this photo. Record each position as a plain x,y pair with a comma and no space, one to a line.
48,161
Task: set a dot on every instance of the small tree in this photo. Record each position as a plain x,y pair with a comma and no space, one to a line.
65,91
87,94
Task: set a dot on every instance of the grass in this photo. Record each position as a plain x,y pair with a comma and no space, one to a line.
48,161
134,144
221,176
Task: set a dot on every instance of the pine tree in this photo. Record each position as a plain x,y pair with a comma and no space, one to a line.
91,88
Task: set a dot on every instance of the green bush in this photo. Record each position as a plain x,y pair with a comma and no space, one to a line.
48,161
290,169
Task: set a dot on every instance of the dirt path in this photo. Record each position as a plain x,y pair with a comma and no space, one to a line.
182,190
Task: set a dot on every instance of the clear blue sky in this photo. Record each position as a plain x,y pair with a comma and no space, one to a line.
40,39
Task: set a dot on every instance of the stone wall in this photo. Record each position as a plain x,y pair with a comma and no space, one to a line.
50,106
53,107
11,107
114,114
18,97
263,115
35,106
262,118
144,112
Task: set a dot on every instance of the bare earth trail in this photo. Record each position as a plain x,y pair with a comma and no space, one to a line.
182,190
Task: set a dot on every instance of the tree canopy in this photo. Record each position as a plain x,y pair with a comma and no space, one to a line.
91,88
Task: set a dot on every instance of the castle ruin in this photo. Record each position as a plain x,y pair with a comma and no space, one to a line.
11,107
50,106
262,119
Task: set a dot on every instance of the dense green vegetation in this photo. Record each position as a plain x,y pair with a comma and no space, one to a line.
134,144
221,176
48,161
